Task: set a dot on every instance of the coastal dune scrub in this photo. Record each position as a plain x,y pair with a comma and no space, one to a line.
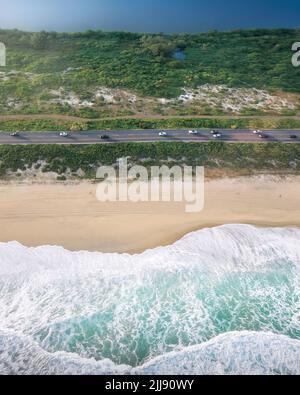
44,124
83,161
81,73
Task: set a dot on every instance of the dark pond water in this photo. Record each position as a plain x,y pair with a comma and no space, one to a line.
179,55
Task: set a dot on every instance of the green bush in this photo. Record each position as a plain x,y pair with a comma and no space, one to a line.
61,178
59,158
143,62
134,123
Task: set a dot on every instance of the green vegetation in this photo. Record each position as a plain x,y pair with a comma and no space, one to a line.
45,69
66,160
141,63
133,123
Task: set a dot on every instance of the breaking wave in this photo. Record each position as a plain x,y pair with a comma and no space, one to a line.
219,301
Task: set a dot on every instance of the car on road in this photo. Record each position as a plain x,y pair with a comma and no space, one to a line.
293,136
64,134
257,131
217,135
104,137
193,131
263,136
15,134
162,134
213,132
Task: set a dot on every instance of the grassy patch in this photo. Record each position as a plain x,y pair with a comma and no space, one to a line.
133,123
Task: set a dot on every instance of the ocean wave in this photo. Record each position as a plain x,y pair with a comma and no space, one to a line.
126,310
233,353
19,355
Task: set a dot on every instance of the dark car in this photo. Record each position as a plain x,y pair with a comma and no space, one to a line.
263,136
293,136
15,134
104,137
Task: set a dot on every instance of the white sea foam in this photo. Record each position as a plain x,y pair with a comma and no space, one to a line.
233,353
63,311
20,355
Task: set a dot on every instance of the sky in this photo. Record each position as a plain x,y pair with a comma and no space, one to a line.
148,15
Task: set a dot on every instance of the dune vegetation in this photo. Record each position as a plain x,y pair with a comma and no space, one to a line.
81,162
99,74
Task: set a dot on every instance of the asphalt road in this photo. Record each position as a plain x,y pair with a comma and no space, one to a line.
121,136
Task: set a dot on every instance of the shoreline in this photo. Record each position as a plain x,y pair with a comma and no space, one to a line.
69,215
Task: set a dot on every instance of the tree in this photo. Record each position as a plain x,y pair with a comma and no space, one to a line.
157,45
39,40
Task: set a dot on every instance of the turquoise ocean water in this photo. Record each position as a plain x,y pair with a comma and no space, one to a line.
219,301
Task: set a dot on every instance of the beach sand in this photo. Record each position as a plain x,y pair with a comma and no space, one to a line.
69,215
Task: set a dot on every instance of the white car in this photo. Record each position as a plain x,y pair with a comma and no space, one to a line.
256,131
64,134
162,134
193,131
217,135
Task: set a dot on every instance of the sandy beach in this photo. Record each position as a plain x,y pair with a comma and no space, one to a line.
71,216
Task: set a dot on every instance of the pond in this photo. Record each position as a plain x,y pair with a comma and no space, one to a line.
179,55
